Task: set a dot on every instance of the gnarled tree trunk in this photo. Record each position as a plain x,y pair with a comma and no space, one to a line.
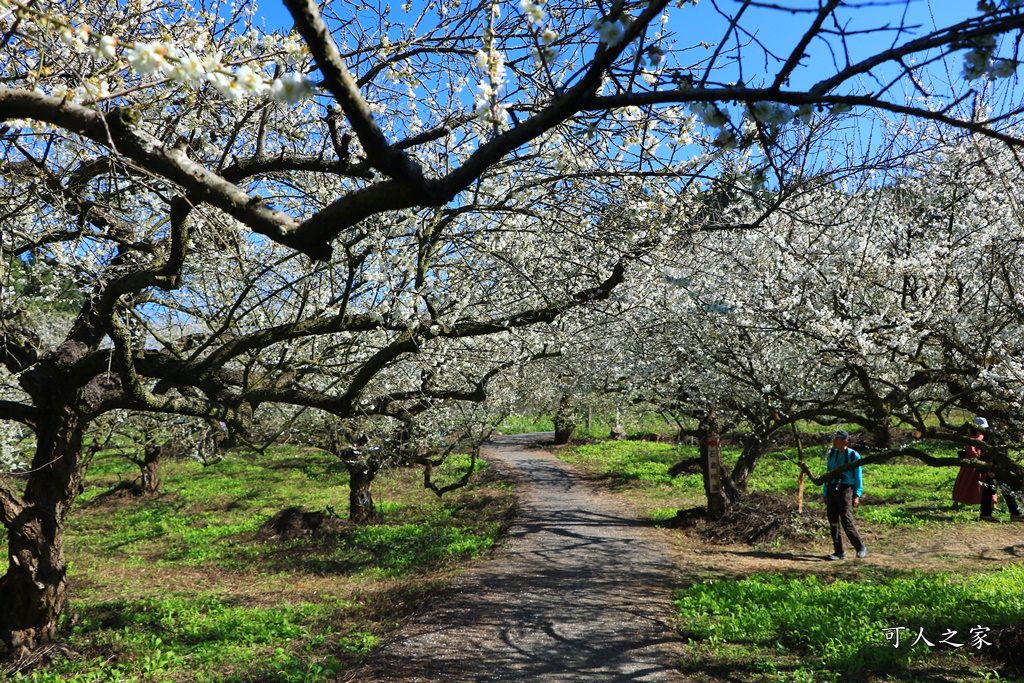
34,590
564,423
149,479
361,508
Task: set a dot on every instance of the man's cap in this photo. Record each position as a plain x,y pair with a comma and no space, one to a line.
841,434
981,422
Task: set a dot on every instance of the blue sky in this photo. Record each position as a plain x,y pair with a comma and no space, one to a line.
778,30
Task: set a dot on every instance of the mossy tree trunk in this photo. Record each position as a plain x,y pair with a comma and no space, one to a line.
33,592
149,479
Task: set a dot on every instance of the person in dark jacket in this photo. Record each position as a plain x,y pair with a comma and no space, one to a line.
842,495
989,485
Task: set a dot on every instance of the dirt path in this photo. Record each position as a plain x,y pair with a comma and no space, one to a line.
580,594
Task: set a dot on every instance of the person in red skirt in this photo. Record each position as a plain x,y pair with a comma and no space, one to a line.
974,487
967,488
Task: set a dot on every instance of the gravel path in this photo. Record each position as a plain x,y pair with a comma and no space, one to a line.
579,594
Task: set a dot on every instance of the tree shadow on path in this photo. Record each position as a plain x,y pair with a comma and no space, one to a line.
581,593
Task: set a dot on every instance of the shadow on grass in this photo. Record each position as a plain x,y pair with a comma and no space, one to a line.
228,639
772,670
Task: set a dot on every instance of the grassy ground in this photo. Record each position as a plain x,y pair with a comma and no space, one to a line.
181,586
781,613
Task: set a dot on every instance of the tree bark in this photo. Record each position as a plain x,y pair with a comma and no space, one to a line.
149,481
33,592
882,437
564,424
712,468
753,450
361,508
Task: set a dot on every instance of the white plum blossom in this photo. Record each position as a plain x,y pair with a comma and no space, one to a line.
533,12
710,114
250,82
805,113
770,112
104,48
610,31
187,69
146,58
92,91
291,88
1002,68
726,140
225,84
544,54
75,38
486,106
295,50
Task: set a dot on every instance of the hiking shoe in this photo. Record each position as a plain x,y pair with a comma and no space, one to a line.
989,518
834,557
1017,518
862,553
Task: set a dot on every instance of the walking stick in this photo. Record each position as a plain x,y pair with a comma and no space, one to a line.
800,482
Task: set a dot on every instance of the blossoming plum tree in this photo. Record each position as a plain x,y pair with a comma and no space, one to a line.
891,301
330,219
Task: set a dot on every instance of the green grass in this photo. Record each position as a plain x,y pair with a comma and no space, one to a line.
526,424
812,626
642,462
182,587
896,494
805,628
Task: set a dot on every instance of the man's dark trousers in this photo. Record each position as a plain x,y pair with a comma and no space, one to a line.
839,505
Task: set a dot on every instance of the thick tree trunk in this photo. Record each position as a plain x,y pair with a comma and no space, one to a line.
34,590
563,432
882,437
712,468
149,481
361,508
753,450
564,424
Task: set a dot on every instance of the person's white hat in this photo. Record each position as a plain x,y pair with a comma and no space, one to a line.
981,422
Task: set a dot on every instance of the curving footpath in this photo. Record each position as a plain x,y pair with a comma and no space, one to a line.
579,594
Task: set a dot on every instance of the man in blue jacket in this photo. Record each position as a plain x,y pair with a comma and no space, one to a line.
842,494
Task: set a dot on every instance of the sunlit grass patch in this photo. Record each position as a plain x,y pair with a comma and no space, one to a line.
630,461
206,638
841,626
526,424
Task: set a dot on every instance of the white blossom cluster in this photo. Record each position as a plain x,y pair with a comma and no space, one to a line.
13,457
611,31
166,60
980,62
491,63
849,290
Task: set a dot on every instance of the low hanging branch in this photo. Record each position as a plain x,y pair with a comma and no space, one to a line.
930,460
430,463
